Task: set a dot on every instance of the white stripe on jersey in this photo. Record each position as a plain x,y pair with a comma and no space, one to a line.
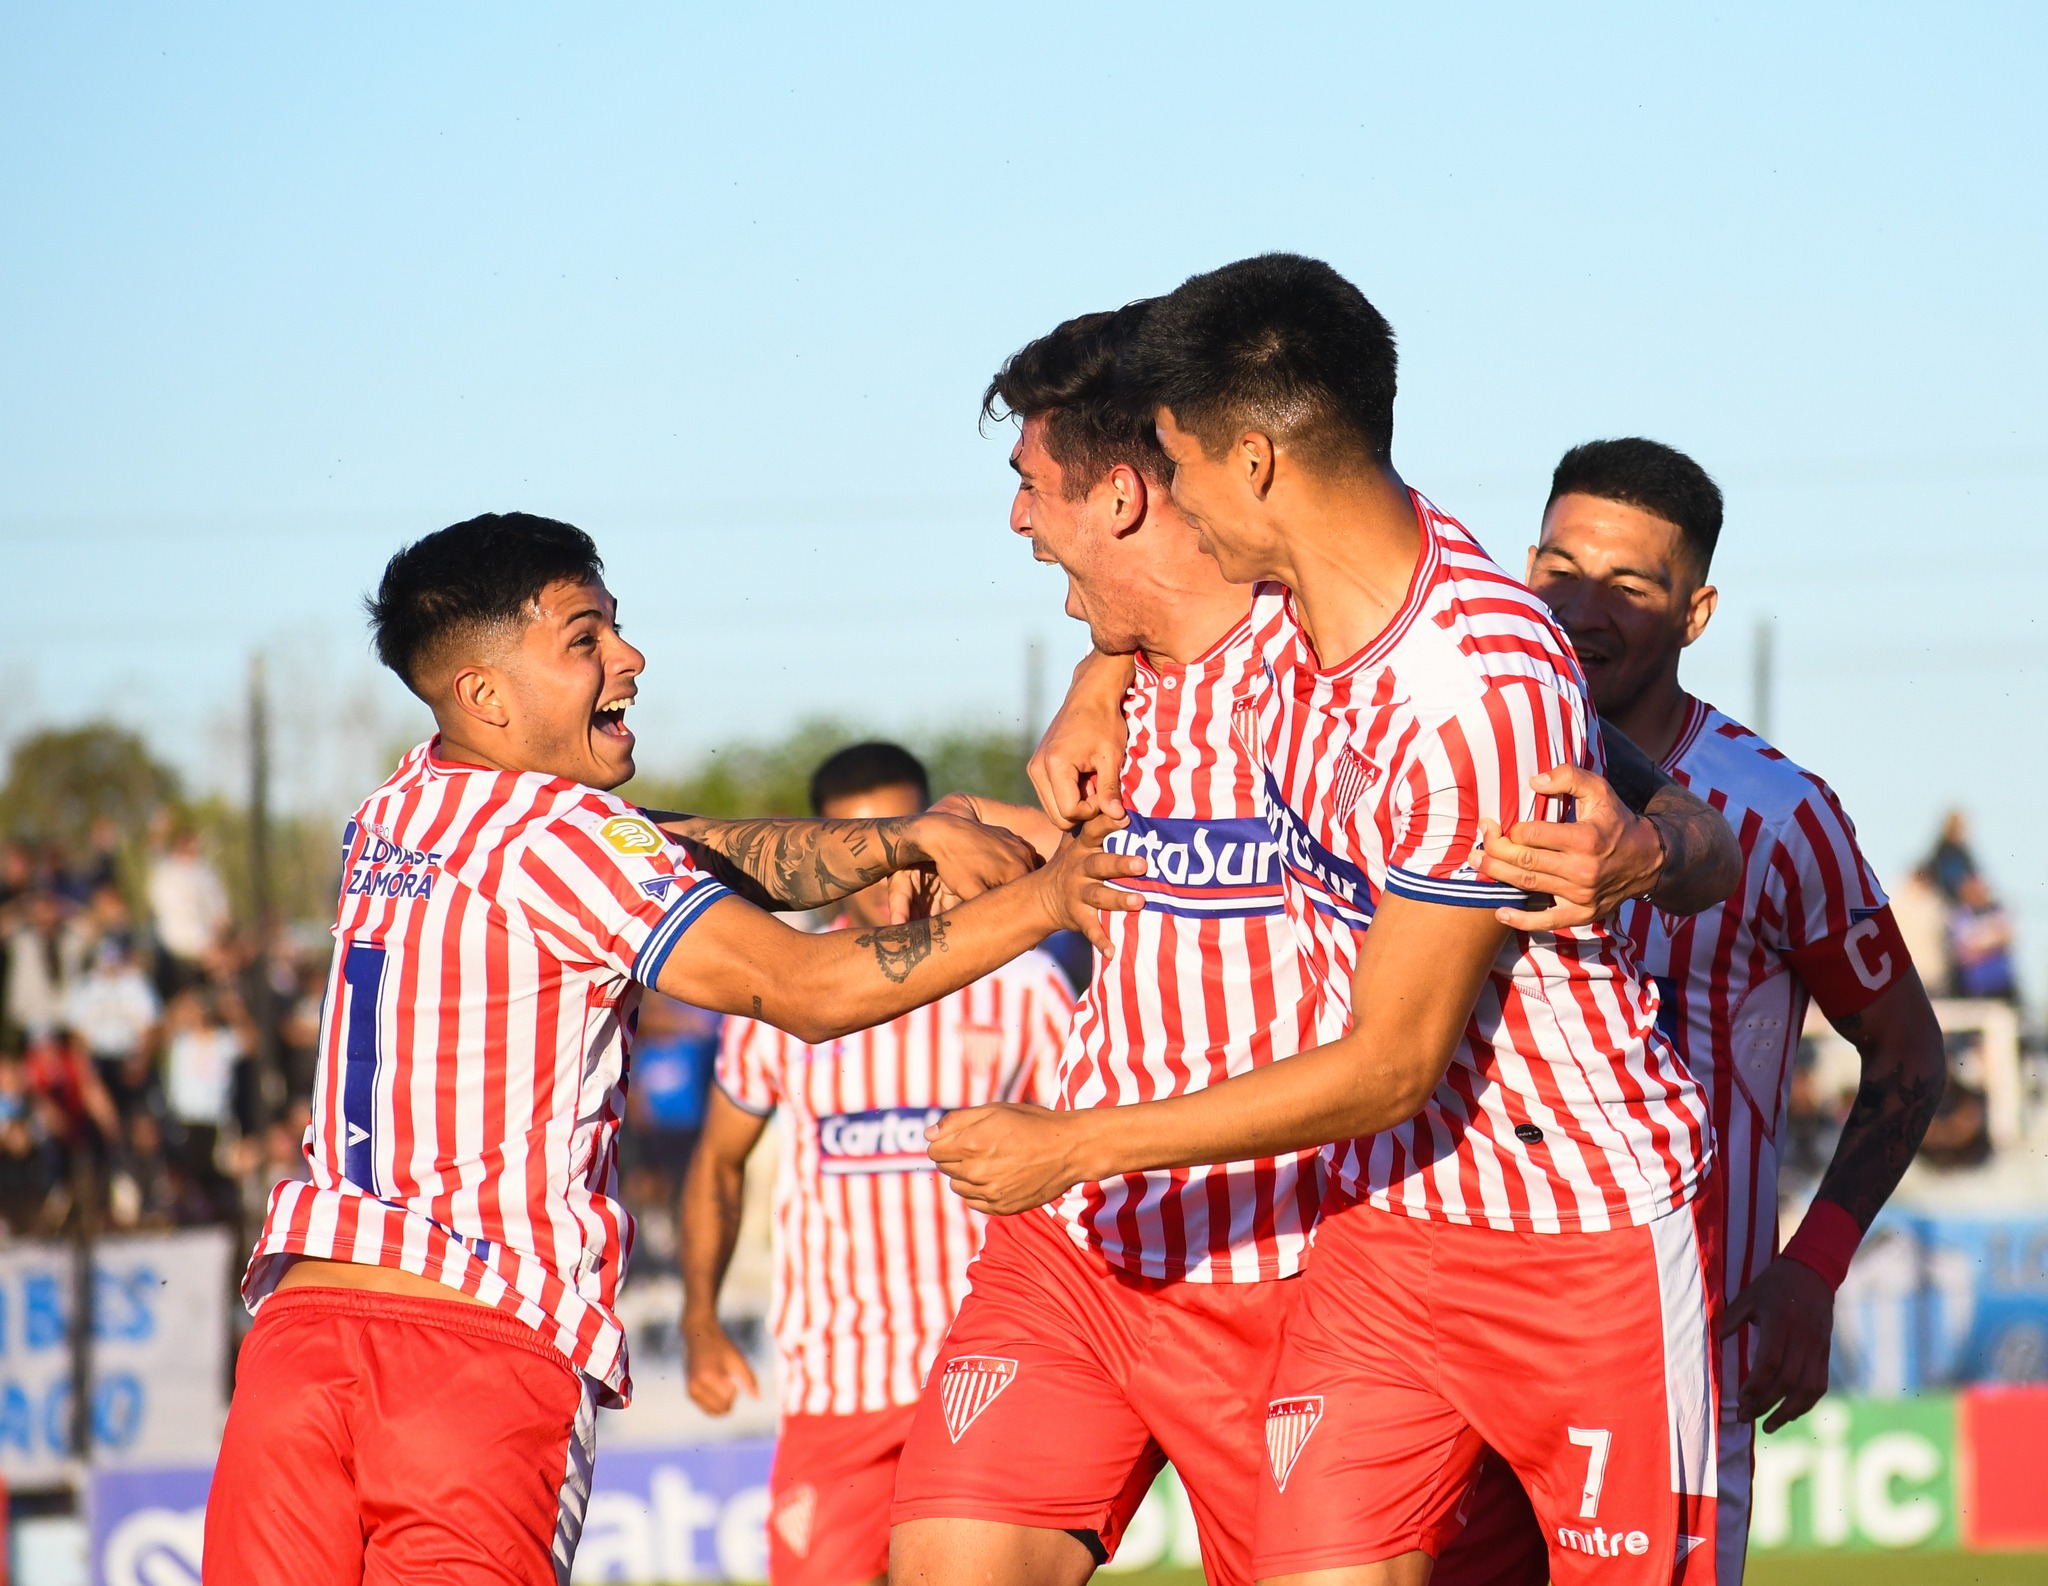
1205,984
491,934
871,1246
1562,1109
1732,998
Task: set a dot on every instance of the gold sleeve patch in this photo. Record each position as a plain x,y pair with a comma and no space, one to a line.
632,835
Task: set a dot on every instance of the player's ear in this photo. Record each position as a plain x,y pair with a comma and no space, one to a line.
1705,601
1529,567
1255,461
480,694
1127,500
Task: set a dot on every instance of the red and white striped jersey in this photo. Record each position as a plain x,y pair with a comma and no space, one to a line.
493,934
1809,919
871,1246
1205,983
1562,1108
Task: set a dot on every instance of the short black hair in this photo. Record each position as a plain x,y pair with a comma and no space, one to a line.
861,768
1070,376
1278,343
1652,478
469,577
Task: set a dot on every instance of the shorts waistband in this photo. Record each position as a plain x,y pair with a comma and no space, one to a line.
454,1316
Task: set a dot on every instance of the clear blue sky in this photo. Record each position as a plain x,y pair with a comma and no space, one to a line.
283,286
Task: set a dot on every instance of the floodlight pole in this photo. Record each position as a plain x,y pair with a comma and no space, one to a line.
262,911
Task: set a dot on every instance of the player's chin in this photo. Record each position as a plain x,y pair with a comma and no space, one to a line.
611,756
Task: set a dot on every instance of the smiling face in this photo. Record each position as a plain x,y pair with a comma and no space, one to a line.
1220,499
1626,590
1079,534
552,695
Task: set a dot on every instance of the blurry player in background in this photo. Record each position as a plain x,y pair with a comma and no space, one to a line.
435,1310
1142,1313
1627,538
1513,1251
871,1248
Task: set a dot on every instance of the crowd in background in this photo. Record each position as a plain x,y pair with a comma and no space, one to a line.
156,1060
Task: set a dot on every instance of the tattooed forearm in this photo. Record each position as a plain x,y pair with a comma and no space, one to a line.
1702,860
901,948
1904,1074
799,864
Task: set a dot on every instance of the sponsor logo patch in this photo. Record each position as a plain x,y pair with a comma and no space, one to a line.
793,1518
629,834
969,1386
1288,1425
886,1140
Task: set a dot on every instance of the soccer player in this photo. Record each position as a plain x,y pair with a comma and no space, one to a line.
871,1246
1511,1253
1142,1312
1627,539
435,1315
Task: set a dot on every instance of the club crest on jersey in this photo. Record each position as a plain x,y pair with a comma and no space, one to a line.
631,835
883,1140
969,1385
1354,776
1288,1425
794,1516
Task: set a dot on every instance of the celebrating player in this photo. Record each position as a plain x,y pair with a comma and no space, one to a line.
435,1310
1144,1312
871,1247
1515,1256
1627,538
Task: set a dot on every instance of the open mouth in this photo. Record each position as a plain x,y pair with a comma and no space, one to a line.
610,719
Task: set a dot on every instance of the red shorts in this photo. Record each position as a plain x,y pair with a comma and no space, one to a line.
828,1497
382,1439
1065,1382
1585,1359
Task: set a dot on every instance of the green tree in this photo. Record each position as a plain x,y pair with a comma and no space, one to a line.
60,782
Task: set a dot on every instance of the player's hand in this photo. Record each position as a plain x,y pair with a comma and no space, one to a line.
1793,1310
1587,867
1005,1158
1077,769
714,1367
968,858
1076,881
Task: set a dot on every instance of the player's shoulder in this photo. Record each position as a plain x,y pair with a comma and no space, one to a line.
1718,755
1476,630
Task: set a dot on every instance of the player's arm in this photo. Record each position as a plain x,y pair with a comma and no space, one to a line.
738,959
1791,1302
790,863
1078,766
1635,834
709,1226
1420,971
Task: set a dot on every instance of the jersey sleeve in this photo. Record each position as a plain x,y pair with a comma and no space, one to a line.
745,1072
1474,766
1825,911
606,886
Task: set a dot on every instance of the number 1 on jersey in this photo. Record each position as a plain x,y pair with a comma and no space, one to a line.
1596,1441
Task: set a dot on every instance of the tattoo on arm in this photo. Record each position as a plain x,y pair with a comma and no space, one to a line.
1883,1130
802,864
901,948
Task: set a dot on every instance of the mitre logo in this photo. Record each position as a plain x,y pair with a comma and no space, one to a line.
1288,1424
629,834
793,1517
969,1386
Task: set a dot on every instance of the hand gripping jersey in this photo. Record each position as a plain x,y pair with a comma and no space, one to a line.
871,1247
1808,919
493,933
1563,1108
1206,983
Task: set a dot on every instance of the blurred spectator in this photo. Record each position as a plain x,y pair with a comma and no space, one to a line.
674,1049
1980,942
44,953
1922,915
26,1171
1952,863
78,878
190,907
113,1009
298,1031
206,1037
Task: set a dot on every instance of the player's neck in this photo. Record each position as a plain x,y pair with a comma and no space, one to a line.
1348,548
1186,623
1653,720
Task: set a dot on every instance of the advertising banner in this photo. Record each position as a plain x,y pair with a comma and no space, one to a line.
1859,1473
159,1375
